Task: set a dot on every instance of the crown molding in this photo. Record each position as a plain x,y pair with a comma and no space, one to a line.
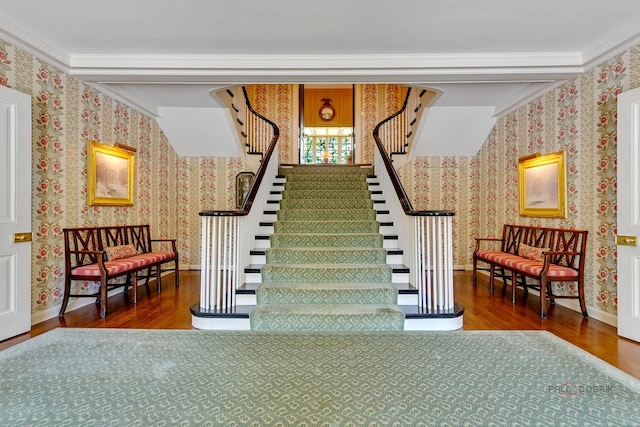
525,96
619,41
123,95
34,45
176,67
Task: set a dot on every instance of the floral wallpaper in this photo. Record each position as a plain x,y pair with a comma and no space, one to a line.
378,102
578,117
204,183
66,115
443,183
278,103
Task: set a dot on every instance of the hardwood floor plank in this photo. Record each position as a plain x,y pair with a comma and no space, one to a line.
483,311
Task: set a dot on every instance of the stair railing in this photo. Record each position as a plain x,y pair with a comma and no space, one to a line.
425,235
400,128
228,234
251,130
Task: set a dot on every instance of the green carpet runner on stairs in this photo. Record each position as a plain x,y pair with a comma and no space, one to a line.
326,268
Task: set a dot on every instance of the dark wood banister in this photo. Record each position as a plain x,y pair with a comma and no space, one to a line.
393,175
253,190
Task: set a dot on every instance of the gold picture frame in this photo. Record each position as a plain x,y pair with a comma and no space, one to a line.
109,175
542,185
243,185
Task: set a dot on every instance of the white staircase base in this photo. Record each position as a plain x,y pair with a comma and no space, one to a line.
221,323
242,324
433,324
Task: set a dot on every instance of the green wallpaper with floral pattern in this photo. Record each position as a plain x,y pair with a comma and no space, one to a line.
578,117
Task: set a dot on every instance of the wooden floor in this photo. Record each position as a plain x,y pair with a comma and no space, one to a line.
483,310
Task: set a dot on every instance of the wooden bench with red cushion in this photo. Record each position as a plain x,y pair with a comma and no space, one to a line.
541,253
101,254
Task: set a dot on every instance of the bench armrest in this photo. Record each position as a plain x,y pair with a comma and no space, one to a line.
172,241
485,239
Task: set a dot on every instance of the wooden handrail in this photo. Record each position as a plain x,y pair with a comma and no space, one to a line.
255,185
393,175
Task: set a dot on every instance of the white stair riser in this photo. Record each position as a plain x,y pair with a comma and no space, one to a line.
390,243
246,299
266,229
263,244
395,259
386,229
400,278
407,299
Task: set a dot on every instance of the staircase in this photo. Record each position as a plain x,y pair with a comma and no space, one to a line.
322,251
326,267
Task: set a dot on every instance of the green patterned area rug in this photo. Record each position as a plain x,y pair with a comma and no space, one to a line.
119,377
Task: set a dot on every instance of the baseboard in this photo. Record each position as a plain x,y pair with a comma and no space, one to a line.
594,312
76,303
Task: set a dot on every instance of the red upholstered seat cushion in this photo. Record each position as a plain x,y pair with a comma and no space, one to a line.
515,262
123,265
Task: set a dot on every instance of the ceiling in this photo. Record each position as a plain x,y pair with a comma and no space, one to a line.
165,57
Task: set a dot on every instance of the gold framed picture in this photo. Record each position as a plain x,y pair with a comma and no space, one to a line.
243,185
109,175
542,185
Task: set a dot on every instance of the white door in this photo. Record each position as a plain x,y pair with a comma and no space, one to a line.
15,213
629,214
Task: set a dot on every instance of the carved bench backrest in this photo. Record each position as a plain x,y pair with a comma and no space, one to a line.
136,235
81,239
556,239
99,238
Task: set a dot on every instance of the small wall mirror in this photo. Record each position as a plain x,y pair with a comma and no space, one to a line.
243,184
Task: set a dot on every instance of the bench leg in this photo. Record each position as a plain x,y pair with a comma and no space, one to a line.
134,284
543,298
177,273
492,277
103,299
475,272
65,297
158,280
514,286
583,304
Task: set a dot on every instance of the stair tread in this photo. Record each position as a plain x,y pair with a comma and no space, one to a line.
349,286
328,248
329,285
402,288
328,265
324,309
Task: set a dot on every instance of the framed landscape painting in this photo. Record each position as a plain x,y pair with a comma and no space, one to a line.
109,175
542,185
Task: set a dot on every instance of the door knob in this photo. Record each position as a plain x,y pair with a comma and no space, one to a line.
21,237
627,240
